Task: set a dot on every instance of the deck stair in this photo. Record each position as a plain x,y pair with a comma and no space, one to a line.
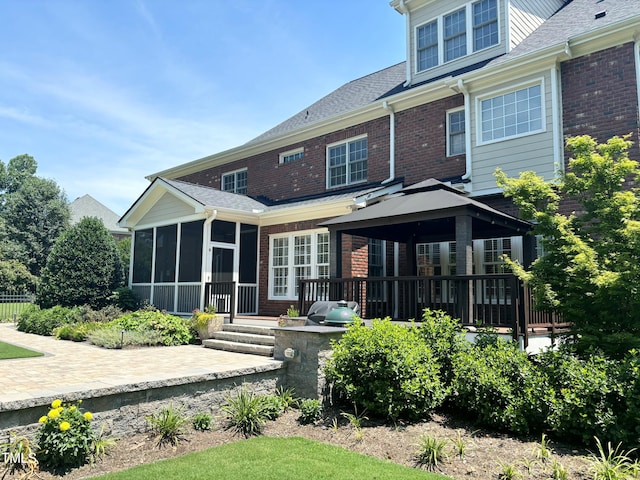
252,339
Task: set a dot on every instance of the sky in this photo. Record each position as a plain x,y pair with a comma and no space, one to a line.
105,92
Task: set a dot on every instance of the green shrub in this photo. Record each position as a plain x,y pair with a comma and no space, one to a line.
202,421
168,425
431,451
586,398
174,330
78,332
44,321
628,414
111,336
125,299
66,437
83,267
387,369
273,406
500,386
310,411
445,337
245,412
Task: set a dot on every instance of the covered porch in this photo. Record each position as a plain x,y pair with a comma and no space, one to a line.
427,213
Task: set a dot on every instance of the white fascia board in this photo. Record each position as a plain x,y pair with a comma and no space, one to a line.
170,221
300,213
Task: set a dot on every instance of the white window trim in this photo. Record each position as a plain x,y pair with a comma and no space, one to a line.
328,170
469,33
291,288
288,153
514,88
466,130
235,174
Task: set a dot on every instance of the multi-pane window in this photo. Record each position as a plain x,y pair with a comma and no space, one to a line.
512,114
469,29
455,35
280,267
427,46
494,249
485,24
292,155
235,182
295,257
428,259
456,142
347,162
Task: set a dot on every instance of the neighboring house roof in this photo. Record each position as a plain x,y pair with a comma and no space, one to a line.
87,206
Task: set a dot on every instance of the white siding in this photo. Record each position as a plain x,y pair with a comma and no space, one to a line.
530,152
167,209
432,11
527,15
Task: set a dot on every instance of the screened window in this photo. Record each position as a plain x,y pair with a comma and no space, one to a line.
142,256
347,162
190,265
512,114
166,241
248,253
295,257
456,141
235,182
427,46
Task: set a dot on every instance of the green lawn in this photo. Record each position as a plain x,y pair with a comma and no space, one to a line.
268,458
12,351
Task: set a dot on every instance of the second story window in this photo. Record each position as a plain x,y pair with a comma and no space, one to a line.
235,182
456,141
292,155
347,162
456,34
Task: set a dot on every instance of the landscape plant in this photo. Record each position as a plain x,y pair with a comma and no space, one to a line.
83,267
310,411
387,369
202,421
19,457
591,264
114,336
168,425
245,412
173,329
44,321
431,451
66,437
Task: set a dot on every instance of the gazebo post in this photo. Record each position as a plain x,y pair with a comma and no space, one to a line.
464,265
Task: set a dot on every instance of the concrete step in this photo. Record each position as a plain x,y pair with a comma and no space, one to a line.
251,348
256,339
251,329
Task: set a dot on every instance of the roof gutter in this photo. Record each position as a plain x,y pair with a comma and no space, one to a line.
392,142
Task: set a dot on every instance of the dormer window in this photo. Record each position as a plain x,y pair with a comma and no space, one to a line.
445,38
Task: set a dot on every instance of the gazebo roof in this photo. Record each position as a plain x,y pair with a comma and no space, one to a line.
427,212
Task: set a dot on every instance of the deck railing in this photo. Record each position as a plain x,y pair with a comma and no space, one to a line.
222,296
499,301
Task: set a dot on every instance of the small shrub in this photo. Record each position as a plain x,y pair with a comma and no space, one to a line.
459,445
168,425
44,321
558,472
66,438
287,397
125,299
77,332
310,411
245,413
387,369
509,471
112,337
292,311
174,330
202,421
431,451
272,407
542,451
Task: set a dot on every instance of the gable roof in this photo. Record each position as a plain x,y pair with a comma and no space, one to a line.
87,206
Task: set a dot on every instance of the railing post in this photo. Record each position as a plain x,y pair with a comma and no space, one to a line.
233,302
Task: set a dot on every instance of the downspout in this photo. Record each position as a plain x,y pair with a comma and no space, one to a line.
407,29
210,216
392,142
467,122
636,51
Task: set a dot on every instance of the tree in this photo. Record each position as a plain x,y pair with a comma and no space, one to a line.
34,215
590,270
17,170
15,277
124,250
83,267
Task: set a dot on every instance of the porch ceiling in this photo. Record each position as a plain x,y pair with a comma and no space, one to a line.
427,213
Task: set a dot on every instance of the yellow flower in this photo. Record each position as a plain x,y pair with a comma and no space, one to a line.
53,413
88,416
43,419
56,403
65,426
72,408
